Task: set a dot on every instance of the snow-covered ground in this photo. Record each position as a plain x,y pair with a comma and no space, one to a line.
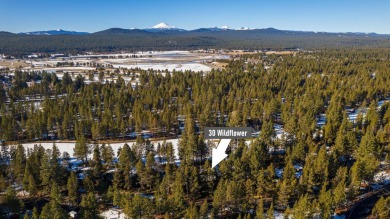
382,177
69,146
380,103
279,131
171,60
74,68
322,120
298,173
352,113
113,213
154,54
163,66
278,215
75,163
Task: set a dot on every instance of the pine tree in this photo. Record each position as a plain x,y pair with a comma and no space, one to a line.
45,173
117,198
346,141
209,177
55,193
89,183
204,208
381,209
302,208
219,196
299,151
235,192
258,153
35,214
107,154
126,162
178,193
188,141
148,173
372,118
88,207
81,149
203,150
368,146
46,212
250,190
139,207
334,117
366,160
270,175
162,195
72,186
56,172
260,210
267,132
56,211
191,212
170,153
195,187
339,194
32,186
27,173
96,161
18,162
288,185
270,212
261,184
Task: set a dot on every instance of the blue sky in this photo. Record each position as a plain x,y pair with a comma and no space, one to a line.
95,15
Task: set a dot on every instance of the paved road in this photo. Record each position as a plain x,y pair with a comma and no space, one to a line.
364,208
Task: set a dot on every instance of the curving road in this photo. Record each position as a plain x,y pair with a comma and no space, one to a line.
364,208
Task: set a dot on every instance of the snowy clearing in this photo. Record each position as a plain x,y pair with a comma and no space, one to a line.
170,67
68,147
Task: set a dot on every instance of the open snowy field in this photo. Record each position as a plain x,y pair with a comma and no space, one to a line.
156,55
157,60
69,146
170,67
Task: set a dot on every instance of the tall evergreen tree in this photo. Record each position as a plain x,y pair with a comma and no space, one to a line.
81,149
72,186
88,207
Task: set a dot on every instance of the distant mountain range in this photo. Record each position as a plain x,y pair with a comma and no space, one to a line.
166,37
54,32
164,27
161,27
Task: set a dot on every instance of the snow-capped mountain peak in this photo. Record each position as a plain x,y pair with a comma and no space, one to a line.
225,27
163,26
244,28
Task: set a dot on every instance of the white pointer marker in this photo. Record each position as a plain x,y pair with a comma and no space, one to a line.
219,153
226,134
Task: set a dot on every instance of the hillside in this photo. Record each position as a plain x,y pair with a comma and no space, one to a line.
116,39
